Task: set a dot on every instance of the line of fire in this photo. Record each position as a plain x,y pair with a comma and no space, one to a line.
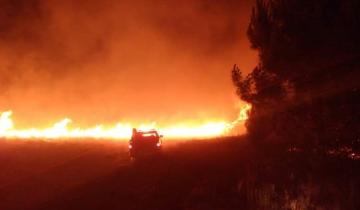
62,129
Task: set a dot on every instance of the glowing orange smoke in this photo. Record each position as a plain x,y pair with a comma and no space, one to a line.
62,129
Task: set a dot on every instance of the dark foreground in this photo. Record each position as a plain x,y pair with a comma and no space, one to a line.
216,174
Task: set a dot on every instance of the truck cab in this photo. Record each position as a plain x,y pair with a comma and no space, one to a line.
144,143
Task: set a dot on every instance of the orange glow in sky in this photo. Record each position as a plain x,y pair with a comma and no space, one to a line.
75,69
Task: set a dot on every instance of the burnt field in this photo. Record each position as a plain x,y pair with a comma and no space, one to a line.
208,174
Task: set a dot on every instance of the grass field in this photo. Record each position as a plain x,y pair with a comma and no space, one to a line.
210,174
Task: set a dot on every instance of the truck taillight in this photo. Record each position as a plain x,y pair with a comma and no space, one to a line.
158,144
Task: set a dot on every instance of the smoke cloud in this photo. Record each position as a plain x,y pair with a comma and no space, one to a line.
105,61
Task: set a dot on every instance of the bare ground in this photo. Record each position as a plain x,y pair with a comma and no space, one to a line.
212,174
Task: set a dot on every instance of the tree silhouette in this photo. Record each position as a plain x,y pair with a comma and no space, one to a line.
305,91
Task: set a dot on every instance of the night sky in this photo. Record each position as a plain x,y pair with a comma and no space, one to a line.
108,61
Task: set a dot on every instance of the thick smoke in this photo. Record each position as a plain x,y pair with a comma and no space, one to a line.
105,61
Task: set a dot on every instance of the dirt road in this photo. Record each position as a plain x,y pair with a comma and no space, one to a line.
213,174
99,175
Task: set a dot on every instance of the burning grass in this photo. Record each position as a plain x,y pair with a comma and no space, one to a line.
62,129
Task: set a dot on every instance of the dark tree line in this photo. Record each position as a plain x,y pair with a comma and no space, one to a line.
305,90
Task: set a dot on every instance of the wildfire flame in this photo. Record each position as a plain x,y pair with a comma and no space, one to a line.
62,129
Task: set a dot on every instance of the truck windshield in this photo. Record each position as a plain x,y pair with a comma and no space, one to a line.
149,135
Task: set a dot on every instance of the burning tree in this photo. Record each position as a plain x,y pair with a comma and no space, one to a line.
305,91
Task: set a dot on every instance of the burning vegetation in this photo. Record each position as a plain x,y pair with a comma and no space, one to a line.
62,129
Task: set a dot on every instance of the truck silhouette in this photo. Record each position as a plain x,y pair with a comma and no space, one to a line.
144,143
